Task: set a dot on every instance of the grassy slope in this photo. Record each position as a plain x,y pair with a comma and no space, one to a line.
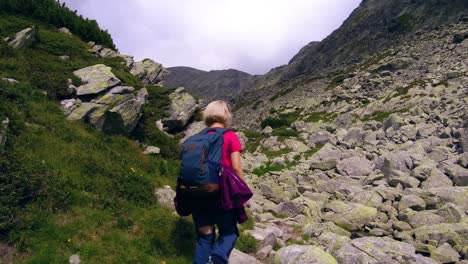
66,188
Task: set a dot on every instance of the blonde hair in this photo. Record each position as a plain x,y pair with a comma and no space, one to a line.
217,112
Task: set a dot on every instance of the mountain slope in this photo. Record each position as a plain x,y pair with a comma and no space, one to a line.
212,85
374,27
65,187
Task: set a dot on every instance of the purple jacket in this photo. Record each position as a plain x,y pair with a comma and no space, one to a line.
234,193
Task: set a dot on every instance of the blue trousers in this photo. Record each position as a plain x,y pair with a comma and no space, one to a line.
208,245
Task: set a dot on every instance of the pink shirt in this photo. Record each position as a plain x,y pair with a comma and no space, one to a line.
231,144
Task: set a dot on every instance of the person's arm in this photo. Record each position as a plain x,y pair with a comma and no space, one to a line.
236,164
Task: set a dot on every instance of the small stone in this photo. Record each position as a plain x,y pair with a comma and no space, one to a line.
74,259
151,150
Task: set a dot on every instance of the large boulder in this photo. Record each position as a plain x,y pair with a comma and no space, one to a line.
96,79
349,216
355,166
296,145
302,254
25,38
124,117
149,71
83,112
239,257
193,129
183,106
378,250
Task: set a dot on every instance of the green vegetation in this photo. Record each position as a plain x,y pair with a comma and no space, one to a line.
254,139
53,13
285,132
66,188
246,243
282,120
264,169
312,151
271,154
381,116
324,116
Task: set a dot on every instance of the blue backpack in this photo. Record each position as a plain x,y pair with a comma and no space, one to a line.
201,163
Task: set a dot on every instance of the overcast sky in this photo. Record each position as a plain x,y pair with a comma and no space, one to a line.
248,35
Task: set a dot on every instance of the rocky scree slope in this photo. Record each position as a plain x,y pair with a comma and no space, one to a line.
213,85
372,28
371,169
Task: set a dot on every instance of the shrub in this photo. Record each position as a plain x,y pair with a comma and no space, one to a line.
246,244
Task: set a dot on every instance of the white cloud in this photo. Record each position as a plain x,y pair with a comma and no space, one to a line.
249,35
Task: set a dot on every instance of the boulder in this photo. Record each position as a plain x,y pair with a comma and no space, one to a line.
64,30
417,219
376,250
9,80
74,259
451,213
464,139
295,145
70,105
264,237
411,201
318,137
83,112
323,165
394,121
302,254
267,131
344,121
326,153
367,198
349,216
24,39
149,71
123,118
458,174
445,254
332,241
271,144
96,79
183,106
193,129
290,209
239,257
166,196
151,150
428,236
355,166
436,179
354,137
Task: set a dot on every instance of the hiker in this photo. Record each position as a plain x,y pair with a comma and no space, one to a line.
213,210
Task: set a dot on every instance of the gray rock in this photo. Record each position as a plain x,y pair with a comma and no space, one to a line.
151,150
69,105
64,30
166,196
299,254
183,106
451,213
107,53
263,237
83,112
149,71
124,117
295,145
354,137
96,79
349,216
458,174
463,160
374,250
411,201
395,177
264,252
193,129
9,80
355,166
427,236
445,254
318,137
24,39
74,259
288,208
425,130
367,198
418,219
394,121
323,165
464,140
344,121
436,179
239,257
267,131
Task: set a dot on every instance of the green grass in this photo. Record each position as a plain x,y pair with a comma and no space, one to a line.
264,169
281,120
324,116
285,132
254,139
66,188
246,244
273,154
